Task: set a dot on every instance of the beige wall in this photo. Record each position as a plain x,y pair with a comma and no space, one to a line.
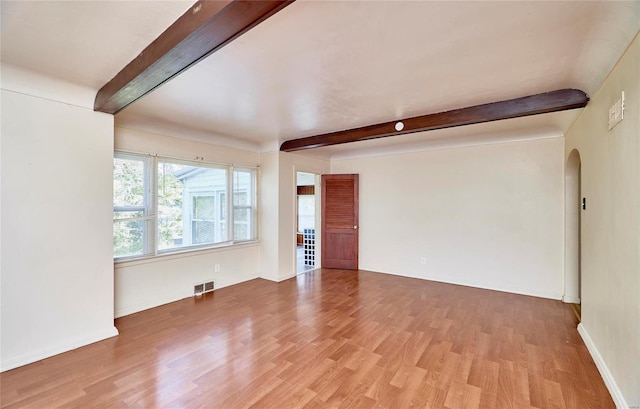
144,284
144,142
487,216
278,210
269,215
611,229
57,234
290,164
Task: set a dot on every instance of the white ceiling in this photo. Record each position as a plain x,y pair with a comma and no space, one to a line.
83,42
323,66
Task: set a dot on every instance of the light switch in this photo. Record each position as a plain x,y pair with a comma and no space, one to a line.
616,112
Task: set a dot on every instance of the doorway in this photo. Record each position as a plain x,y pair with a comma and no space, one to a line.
306,244
573,209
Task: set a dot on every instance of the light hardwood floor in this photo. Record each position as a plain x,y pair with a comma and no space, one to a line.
327,339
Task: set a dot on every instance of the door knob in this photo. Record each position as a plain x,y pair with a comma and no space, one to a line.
355,227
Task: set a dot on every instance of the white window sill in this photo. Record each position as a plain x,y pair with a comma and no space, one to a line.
134,261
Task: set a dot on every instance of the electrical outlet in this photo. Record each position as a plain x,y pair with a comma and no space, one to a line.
217,268
423,260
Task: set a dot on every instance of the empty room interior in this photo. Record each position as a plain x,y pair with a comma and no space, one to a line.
320,204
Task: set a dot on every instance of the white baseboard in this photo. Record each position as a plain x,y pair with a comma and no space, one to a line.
31,357
609,381
147,305
279,279
570,300
465,283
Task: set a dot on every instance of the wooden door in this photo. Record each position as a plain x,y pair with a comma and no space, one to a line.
340,221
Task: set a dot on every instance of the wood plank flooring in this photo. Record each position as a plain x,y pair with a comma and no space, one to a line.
327,339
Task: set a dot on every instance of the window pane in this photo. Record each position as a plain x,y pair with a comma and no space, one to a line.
203,232
129,231
241,220
128,182
243,202
128,238
243,186
203,207
241,199
222,201
203,225
188,213
306,212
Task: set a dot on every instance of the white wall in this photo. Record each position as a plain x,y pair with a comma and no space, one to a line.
278,210
292,163
573,210
611,229
269,215
486,216
144,284
57,238
145,142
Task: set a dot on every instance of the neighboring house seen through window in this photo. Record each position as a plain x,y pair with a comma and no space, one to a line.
163,205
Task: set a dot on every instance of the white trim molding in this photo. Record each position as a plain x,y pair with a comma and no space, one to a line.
609,381
570,300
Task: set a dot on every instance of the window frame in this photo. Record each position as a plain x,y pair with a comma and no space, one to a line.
252,205
148,240
150,206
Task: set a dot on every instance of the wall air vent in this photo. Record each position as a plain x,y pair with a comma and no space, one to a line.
202,288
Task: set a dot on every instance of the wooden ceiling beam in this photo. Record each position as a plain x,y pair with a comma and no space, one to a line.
553,101
203,29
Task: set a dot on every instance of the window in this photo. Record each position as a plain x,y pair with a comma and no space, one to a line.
163,205
243,205
306,212
186,204
131,216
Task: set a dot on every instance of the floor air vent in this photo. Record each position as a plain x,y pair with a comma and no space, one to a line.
202,288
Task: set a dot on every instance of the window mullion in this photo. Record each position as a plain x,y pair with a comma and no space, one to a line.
152,205
230,204
255,232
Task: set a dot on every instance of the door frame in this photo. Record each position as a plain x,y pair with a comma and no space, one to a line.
573,228
318,217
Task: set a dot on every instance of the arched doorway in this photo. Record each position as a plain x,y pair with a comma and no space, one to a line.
573,209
